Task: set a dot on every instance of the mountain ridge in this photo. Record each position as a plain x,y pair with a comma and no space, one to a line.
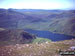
58,21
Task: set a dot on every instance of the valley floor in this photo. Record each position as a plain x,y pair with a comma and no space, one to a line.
43,49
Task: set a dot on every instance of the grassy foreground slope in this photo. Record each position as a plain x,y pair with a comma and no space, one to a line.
43,49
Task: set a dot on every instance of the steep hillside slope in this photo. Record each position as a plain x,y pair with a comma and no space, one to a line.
59,21
65,26
10,37
11,19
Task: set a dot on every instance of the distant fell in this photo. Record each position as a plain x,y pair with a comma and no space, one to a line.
58,21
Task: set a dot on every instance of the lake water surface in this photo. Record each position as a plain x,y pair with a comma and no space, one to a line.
50,35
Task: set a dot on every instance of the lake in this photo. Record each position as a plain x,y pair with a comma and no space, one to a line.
50,35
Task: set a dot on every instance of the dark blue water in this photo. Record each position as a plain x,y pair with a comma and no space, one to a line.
50,35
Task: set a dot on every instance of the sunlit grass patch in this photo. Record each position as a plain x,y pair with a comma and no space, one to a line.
41,40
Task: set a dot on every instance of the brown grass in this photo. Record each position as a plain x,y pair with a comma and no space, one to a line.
43,49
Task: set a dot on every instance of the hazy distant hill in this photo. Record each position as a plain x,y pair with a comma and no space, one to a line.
59,21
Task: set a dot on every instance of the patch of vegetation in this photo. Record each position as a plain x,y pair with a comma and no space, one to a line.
41,40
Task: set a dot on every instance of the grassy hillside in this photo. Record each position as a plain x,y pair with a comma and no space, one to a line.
17,42
59,21
15,36
65,26
40,40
